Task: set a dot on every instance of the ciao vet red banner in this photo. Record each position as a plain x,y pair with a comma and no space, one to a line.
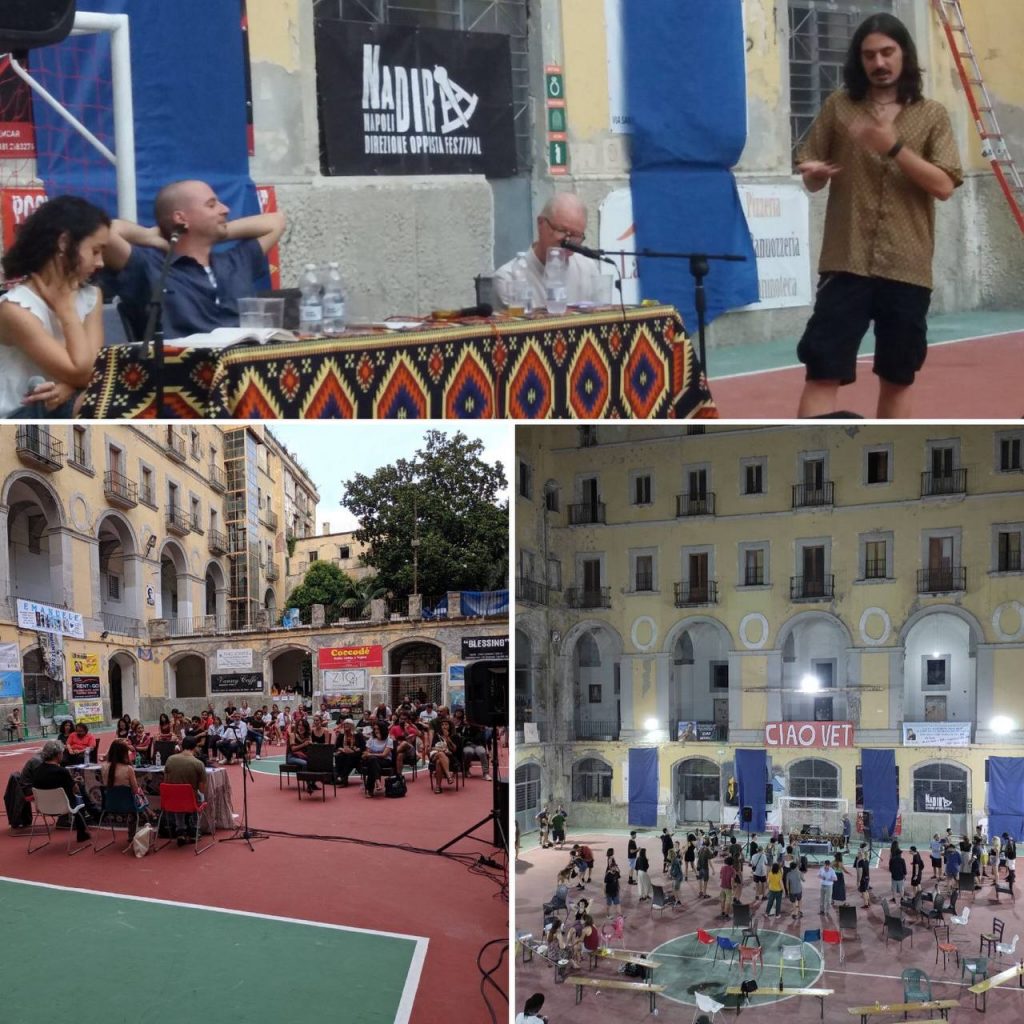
826,735
400,100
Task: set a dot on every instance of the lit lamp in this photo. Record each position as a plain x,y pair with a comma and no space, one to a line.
651,724
1001,725
810,684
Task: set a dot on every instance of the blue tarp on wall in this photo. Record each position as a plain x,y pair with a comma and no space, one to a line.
643,786
188,93
685,79
881,791
1006,796
751,779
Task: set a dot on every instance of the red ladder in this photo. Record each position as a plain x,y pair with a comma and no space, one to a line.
993,142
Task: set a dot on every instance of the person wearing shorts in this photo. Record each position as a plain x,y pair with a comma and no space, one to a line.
795,885
631,857
558,828
886,154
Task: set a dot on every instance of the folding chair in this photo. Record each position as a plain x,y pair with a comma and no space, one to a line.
117,800
53,803
180,798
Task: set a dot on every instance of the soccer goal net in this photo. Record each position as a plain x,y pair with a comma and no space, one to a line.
67,116
812,816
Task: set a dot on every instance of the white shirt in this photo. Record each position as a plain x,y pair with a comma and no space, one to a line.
235,731
15,367
579,281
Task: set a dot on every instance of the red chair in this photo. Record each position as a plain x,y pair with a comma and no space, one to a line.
614,931
834,938
705,939
180,798
751,955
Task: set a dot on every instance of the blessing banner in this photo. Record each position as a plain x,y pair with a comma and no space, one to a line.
936,734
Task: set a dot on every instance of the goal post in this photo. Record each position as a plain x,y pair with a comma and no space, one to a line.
122,156
812,815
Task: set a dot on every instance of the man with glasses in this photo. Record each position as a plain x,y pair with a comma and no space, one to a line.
564,217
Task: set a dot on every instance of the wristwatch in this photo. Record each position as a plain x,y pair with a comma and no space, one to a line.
892,154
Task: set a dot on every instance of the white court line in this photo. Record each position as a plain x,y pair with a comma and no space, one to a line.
412,977
861,359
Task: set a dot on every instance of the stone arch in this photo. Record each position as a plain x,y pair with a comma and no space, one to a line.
187,675
123,685
529,790
698,649
591,776
175,601
288,665
801,618
35,551
118,573
696,795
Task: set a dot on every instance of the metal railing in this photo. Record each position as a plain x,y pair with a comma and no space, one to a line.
698,592
811,495
218,478
695,504
753,578
273,573
875,569
270,518
595,729
942,581
147,495
175,445
954,482
118,487
122,625
178,521
217,542
40,445
577,597
643,582
198,625
586,514
530,591
812,588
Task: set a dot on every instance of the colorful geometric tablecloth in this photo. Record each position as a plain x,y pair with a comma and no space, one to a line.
595,365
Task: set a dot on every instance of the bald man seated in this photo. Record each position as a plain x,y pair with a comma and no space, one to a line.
204,284
564,217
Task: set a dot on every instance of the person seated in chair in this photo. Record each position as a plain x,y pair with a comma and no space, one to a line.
405,750
442,749
51,774
378,754
185,768
142,741
233,738
204,283
14,723
348,750
197,730
254,734
78,743
471,739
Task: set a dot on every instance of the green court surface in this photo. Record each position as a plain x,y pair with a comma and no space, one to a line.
688,967
95,957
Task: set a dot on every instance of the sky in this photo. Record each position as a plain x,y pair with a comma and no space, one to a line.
334,451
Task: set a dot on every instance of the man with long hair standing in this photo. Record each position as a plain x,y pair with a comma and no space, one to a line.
887,154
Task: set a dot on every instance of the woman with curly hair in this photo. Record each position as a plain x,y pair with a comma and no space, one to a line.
51,322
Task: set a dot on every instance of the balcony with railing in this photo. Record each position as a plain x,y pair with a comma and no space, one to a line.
643,583
119,490
217,477
530,591
812,588
174,444
578,597
814,495
949,579
270,518
754,577
198,625
595,729
696,592
217,543
953,482
122,625
37,447
695,504
586,514
178,522
273,572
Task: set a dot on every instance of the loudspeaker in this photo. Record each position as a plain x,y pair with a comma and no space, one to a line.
25,24
487,693
866,818
769,793
748,815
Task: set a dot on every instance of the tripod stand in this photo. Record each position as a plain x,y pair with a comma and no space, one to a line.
500,836
242,831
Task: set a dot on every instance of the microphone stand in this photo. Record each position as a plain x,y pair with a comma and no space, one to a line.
153,338
698,268
500,828
242,831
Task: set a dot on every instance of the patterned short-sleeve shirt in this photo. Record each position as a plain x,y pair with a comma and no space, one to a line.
879,223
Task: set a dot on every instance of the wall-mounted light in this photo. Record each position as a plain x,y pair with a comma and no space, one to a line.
810,684
150,544
651,724
1001,725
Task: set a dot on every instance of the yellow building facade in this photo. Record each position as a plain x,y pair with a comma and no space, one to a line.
699,591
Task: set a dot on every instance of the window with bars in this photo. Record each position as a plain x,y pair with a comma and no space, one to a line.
814,779
819,36
505,17
591,781
1009,550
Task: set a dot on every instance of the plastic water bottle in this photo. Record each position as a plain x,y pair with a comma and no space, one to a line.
334,301
555,274
85,759
311,307
521,297
159,759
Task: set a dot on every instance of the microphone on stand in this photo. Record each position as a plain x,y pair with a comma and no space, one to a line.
583,250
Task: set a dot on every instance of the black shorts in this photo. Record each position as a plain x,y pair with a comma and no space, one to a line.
844,307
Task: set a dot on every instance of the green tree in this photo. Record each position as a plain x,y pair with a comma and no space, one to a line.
451,495
340,595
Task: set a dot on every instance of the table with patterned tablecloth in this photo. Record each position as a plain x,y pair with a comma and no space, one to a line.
592,365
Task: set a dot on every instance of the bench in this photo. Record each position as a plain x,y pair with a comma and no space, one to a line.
627,986
942,1005
981,989
820,993
621,956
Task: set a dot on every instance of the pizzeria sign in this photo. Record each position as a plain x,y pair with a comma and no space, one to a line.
823,735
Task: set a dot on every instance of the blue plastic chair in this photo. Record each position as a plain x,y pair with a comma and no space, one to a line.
117,800
723,942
